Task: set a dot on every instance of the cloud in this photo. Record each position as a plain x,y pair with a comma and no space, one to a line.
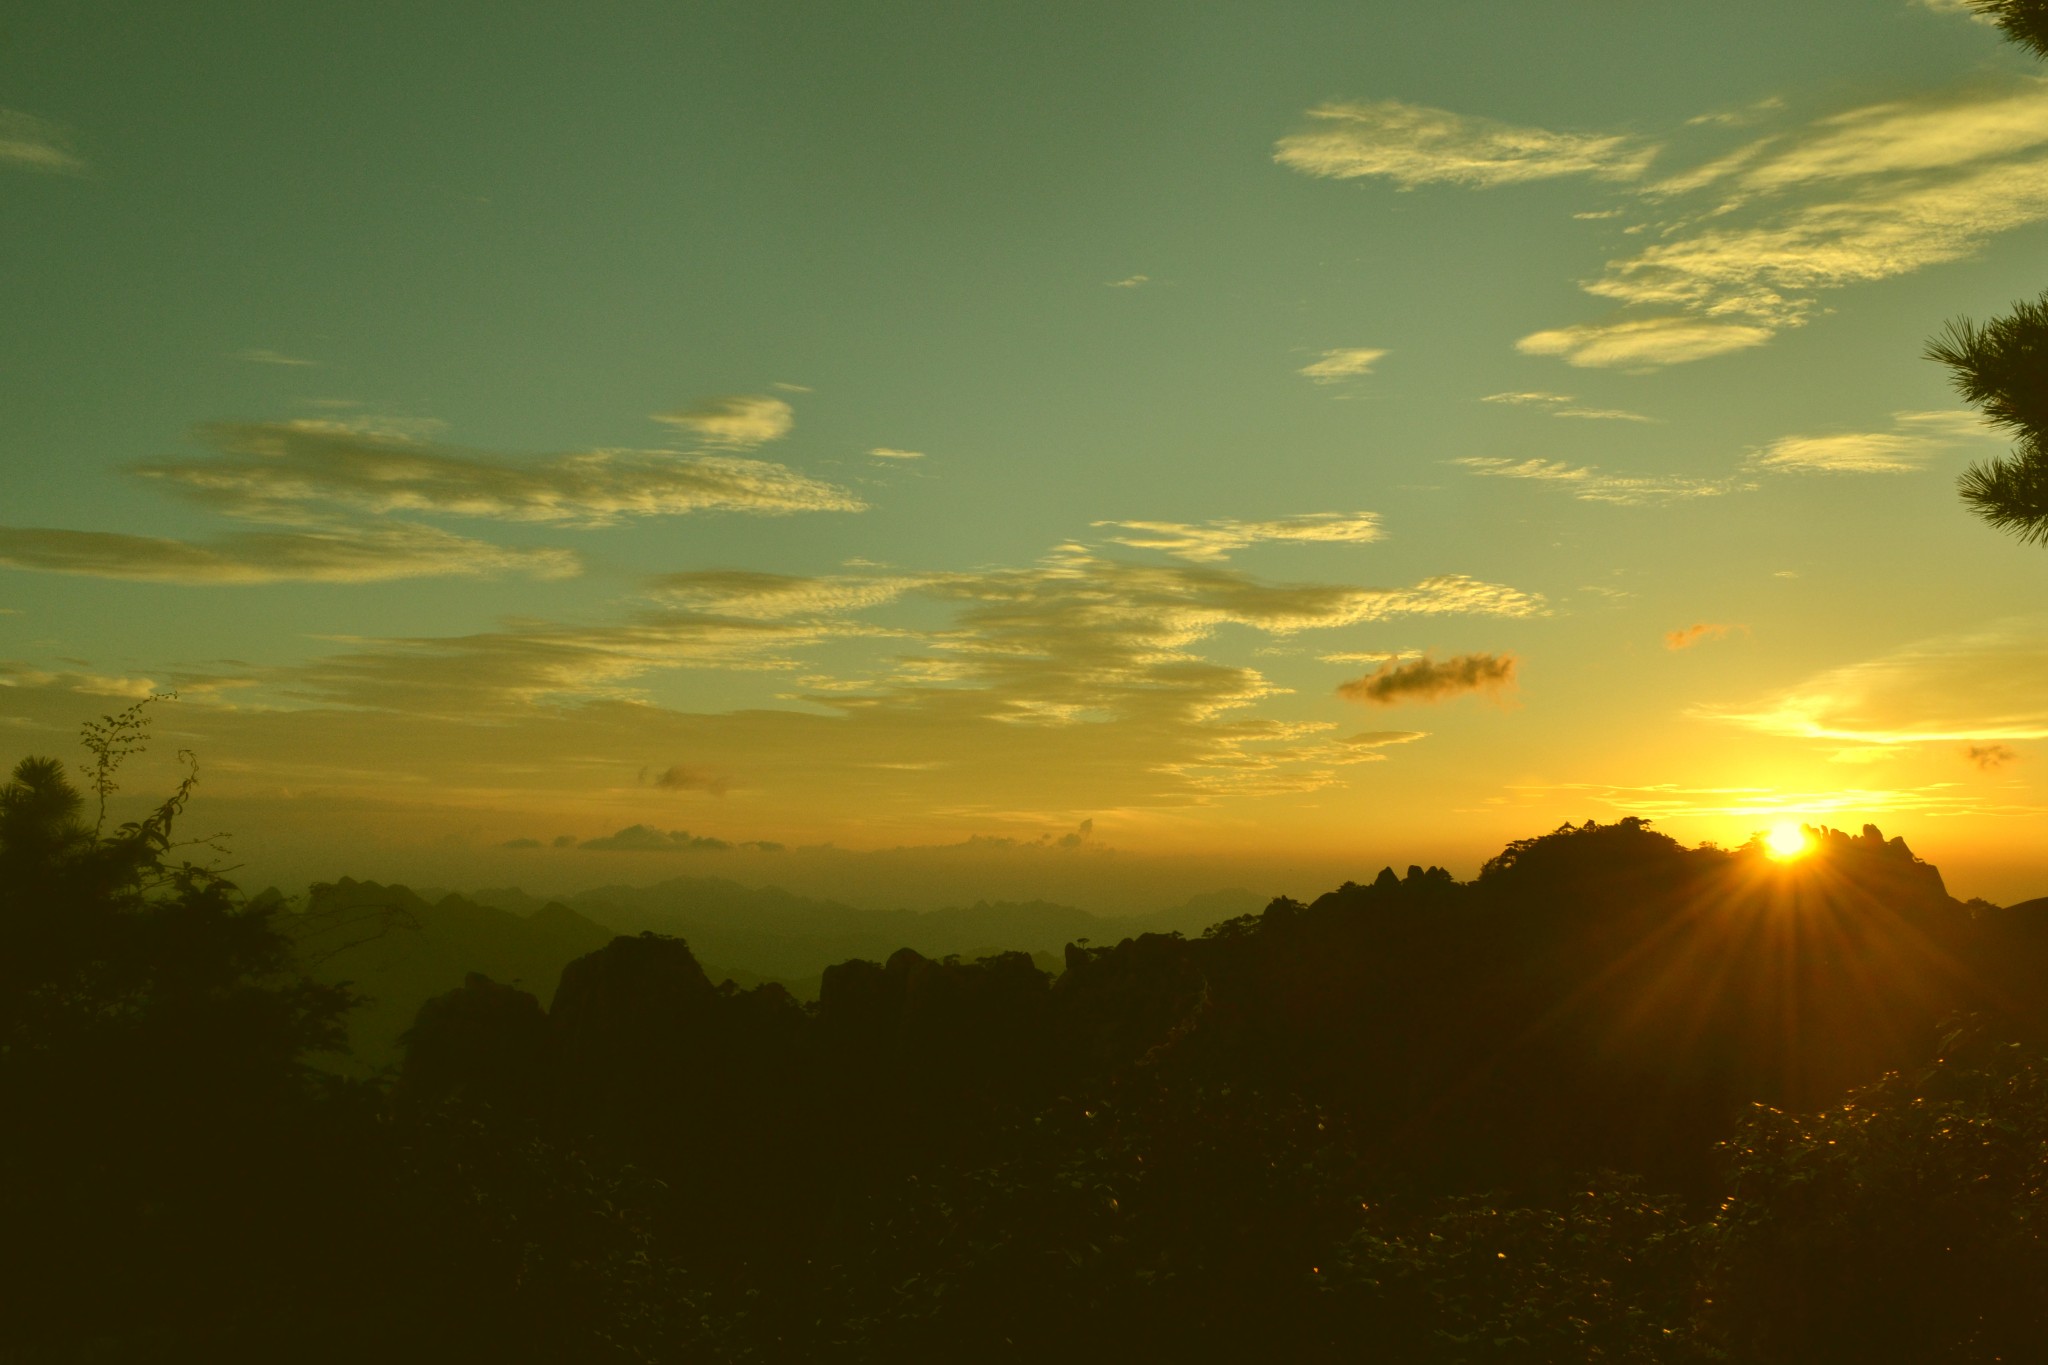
520,843
1917,437
263,357
1642,343
1846,805
1991,757
739,421
681,778
1859,452
36,144
891,453
1342,364
20,676
1380,739
770,596
1414,145
1130,282
1588,484
1698,633
503,673
1563,405
1426,680
1969,689
290,471
1214,541
1965,7
345,555
647,839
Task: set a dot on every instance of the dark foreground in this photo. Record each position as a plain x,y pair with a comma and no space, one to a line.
1614,1100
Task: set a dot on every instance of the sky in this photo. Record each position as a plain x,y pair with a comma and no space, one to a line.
921,451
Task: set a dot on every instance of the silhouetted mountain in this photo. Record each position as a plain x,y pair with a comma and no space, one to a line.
772,934
397,950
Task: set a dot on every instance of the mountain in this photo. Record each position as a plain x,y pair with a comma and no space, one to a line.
399,949
771,934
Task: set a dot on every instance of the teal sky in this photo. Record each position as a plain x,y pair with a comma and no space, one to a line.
429,393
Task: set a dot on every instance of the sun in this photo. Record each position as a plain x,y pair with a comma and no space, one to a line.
1787,841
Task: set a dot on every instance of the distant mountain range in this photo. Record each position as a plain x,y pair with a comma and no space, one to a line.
399,947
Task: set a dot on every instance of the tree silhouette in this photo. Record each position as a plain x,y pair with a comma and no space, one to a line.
2001,366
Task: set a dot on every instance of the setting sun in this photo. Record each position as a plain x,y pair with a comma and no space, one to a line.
1787,841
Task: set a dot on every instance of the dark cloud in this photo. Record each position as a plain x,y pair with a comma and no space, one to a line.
685,779
1426,680
564,841
1991,757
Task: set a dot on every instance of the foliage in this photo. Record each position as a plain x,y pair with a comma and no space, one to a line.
1908,1223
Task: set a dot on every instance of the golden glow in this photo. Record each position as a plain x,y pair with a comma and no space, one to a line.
1787,841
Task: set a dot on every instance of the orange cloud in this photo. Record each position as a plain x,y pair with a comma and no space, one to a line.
1697,632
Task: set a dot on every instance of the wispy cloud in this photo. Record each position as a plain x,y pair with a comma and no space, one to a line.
1213,541
1865,195
1965,689
1991,757
348,555
738,422
1415,145
35,144
1342,364
1130,282
1858,196
289,471
1855,452
1643,343
1431,680
891,453
1588,483
259,356
771,596
1916,438
1564,405
1699,633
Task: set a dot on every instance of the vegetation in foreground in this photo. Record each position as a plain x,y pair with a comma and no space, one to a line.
1614,1099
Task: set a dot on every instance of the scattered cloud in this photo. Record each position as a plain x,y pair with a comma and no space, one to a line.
1130,282
1414,145
891,453
1699,633
35,144
1588,483
1369,656
342,555
1991,757
680,777
737,422
1564,405
1428,680
289,472
1744,243
263,357
1342,364
1214,541
1643,343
